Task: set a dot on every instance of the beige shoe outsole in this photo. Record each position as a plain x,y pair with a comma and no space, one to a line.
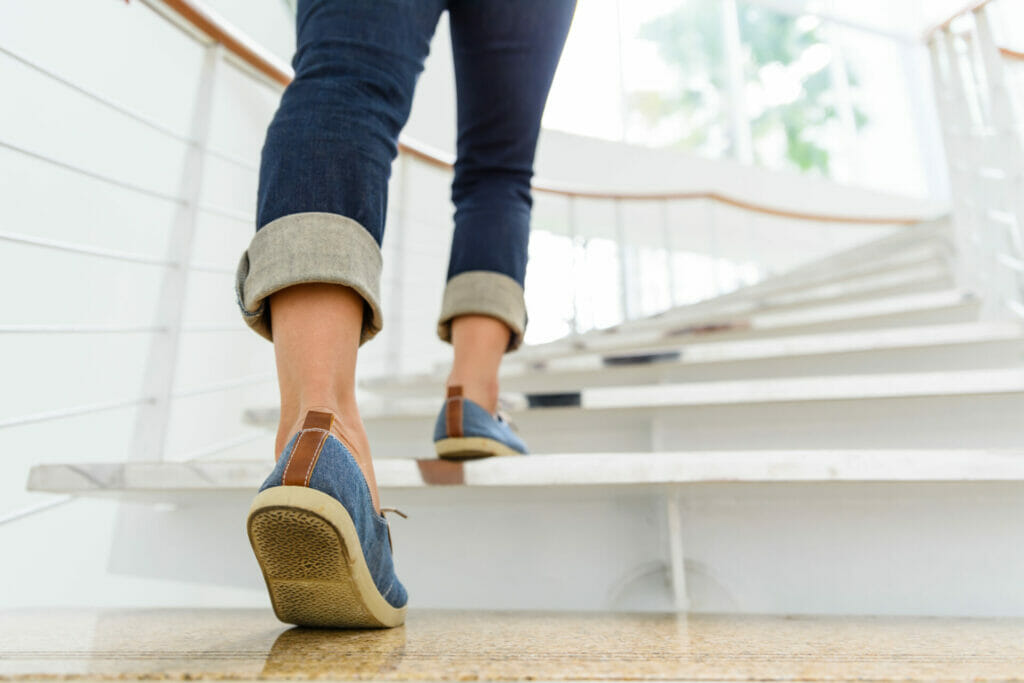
313,563
469,447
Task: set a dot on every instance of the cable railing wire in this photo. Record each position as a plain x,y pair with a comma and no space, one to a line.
76,411
30,510
81,328
114,254
110,180
88,250
102,406
127,111
96,97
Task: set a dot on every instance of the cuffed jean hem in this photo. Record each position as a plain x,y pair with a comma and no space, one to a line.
484,292
309,247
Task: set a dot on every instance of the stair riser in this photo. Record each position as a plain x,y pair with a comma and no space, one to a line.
967,421
818,548
930,281
932,277
912,358
958,313
861,275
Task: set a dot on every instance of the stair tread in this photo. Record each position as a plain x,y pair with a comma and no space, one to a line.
752,324
564,469
708,352
683,394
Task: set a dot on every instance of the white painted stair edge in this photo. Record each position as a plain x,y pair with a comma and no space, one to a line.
568,469
732,392
875,312
930,274
870,261
707,352
966,382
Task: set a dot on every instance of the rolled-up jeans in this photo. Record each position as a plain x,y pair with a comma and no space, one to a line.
323,182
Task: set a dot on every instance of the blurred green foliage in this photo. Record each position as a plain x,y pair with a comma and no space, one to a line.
690,40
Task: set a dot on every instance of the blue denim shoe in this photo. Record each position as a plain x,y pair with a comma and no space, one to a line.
465,429
324,550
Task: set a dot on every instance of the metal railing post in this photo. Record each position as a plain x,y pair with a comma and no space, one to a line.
962,155
716,266
667,243
1008,156
150,436
573,264
625,272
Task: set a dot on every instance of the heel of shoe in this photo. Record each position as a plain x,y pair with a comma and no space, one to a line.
470,447
309,551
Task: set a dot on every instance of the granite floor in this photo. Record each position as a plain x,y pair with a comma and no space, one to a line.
435,646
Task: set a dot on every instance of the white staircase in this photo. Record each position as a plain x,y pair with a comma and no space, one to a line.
844,437
812,379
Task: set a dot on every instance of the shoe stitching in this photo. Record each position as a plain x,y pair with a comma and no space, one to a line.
316,457
284,475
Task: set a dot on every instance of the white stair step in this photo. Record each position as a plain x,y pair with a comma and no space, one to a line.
166,480
883,259
916,309
927,274
964,409
997,381
913,349
901,247
916,275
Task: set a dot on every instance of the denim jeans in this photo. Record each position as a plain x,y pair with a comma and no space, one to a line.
327,157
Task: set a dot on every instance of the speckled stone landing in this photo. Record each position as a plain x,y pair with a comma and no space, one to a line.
435,646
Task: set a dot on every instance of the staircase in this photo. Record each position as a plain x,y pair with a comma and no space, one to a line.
862,372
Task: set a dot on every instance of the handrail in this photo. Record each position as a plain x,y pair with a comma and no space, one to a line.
250,52
1011,54
972,6
1007,52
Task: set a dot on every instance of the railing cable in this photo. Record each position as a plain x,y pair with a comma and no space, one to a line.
100,99
92,174
30,510
77,411
80,328
76,248
110,104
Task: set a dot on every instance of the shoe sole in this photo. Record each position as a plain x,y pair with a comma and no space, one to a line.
311,558
469,447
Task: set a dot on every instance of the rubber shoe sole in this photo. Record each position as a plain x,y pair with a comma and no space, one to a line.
312,561
469,447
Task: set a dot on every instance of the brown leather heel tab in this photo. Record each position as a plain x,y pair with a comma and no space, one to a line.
318,420
312,437
453,411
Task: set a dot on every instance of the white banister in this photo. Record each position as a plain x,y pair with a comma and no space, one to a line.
982,128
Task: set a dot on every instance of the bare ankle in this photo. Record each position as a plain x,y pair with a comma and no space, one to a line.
347,427
482,391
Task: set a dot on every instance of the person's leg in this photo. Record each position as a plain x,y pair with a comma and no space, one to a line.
310,279
316,337
505,54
